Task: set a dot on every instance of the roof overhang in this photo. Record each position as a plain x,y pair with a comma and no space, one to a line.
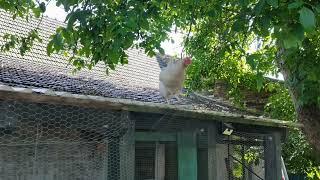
48,96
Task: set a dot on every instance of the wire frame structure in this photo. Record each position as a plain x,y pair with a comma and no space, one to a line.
56,142
245,157
241,156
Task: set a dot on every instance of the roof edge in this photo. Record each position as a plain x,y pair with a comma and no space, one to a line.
55,97
226,104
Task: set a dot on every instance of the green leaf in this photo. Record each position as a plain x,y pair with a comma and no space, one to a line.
36,12
251,60
113,56
299,33
58,42
79,15
291,41
244,2
124,58
50,48
307,18
42,7
317,8
295,5
273,3
161,51
259,6
237,26
128,42
260,81
293,38
111,66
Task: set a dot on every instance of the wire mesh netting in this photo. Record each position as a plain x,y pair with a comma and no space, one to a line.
239,156
55,142
244,156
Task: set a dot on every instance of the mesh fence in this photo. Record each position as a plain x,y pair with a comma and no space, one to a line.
240,156
55,142
244,156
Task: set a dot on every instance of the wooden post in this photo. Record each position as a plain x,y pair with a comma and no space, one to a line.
272,151
212,155
187,156
127,150
160,162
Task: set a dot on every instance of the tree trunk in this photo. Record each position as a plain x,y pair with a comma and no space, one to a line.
308,115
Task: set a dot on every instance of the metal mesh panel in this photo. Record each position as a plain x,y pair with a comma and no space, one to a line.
145,161
240,156
54,142
243,156
171,165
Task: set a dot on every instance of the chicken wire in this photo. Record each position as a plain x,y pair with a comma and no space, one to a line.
240,156
244,156
55,142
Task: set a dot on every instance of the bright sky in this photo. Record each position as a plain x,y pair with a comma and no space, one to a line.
170,48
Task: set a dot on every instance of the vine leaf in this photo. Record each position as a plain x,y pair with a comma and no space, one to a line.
307,18
273,3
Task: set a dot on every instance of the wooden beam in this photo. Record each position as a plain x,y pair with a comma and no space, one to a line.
187,156
155,136
65,98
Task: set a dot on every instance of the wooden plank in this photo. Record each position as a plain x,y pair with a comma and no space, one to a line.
277,164
212,154
203,163
65,98
155,136
187,156
272,152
